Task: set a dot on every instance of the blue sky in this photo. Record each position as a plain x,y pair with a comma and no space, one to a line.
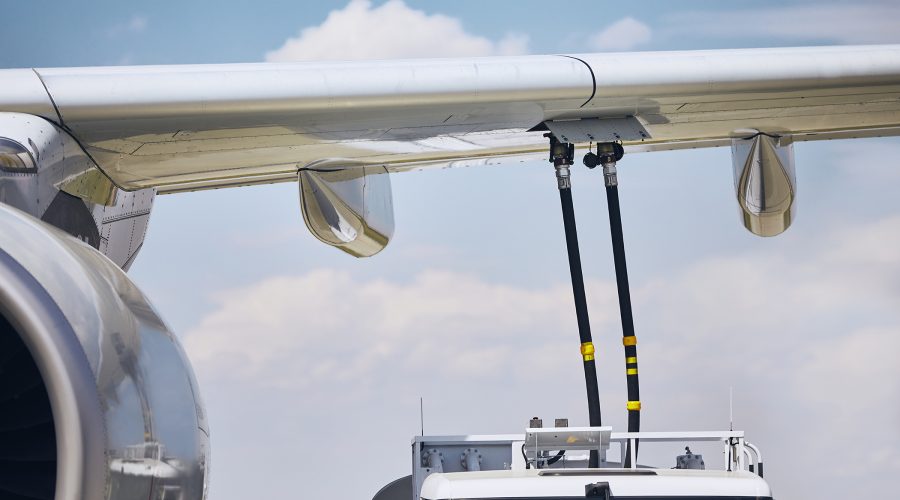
206,31
306,356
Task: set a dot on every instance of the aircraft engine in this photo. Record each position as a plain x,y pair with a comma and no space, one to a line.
97,399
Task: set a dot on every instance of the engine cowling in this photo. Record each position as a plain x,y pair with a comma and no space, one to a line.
97,398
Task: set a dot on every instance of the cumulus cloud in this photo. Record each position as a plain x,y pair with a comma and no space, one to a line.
847,23
624,34
390,31
308,322
800,343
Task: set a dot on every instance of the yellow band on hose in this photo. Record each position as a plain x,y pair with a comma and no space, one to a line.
634,406
631,360
587,351
629,340
631,371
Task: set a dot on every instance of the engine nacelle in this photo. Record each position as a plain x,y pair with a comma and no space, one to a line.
97,398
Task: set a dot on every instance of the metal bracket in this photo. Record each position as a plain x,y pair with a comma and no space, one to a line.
627,128
569,438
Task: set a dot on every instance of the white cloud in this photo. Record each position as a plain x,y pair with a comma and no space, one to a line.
852,385
389,31
808,345
624,34
309,322
849,23
137,24
873,246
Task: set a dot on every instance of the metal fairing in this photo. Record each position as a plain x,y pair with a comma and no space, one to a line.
765,182
350,209
67,190
127,415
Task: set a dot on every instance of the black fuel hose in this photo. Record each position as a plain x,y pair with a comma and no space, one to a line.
628,338
581,314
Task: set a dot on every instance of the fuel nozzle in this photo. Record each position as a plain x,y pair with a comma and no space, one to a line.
608,153
562,155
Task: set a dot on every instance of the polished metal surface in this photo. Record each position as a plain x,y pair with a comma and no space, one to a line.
610,175
350,209
563,176
765,182
45,172
128,418
195,127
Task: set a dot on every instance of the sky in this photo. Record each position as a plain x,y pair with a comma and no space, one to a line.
312,363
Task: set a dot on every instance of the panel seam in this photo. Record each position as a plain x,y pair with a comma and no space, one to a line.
593,78
49,96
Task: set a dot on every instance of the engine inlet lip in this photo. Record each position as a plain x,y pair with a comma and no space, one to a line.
65,370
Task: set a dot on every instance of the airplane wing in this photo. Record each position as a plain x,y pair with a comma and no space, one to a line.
205,126
179,128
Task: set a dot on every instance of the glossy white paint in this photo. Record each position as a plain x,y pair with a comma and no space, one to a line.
23,92
623,483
